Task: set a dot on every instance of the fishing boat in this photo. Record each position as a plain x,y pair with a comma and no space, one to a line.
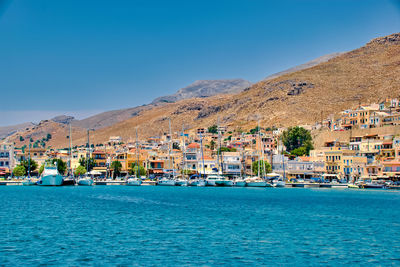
30,181
166,182
134,181
86,181
256,182
50,176
239,182
353,186
181,182
278,183
197,182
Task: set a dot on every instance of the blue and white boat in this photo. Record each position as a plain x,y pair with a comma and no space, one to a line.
166,182
256,182
133,181
50,176
239,182
85,181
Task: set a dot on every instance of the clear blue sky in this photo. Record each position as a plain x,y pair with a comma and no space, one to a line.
80,57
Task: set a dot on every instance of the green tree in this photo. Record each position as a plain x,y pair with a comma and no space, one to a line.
134,169
33,165
226,149
82,162
212,145
41,169
116,166
255,164
175,146
80,170
213,129
48,137
21,139
255,130
19,171
186,172
296,137
61,165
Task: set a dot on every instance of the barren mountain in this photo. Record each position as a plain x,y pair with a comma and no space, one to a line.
368,74
9,130
206,88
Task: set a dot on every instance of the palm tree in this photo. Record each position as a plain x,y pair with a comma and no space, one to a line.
116,166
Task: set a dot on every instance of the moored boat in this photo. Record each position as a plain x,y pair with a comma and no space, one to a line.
85,181
134,181
50,176
181,182
30,181
239,182
256,182
166,182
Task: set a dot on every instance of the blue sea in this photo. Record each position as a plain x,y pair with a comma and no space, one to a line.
173,226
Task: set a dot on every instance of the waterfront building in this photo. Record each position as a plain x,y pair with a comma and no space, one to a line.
7,160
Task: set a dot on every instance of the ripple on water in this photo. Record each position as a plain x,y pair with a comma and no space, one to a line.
197,226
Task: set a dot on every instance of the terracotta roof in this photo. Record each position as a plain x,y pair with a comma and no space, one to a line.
193,145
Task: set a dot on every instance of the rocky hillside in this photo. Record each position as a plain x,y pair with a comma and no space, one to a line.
205,88
368,74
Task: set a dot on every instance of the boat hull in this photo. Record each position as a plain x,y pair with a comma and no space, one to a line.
51,180
257,184
240,184
181,183
280,184
166,183
85,182
134,183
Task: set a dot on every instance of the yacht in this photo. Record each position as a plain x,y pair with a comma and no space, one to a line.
278,183
134,181
182,182
86,181
217,180
166,182
50,176
198,182
239,182
256,182
30,181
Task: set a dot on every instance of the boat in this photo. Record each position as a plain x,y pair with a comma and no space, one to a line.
256,182
218,180
30,181
373,186
166,182
239,182
198,182
353,186
134,181
182,182
278,183
86,181
50,176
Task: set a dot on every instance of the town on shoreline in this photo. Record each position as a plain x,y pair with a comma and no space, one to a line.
287,154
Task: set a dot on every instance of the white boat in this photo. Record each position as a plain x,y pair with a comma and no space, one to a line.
86,181
30,181
278,183
50,176
256,182
215,180
166,182
133,181
182,182
239,182
198,182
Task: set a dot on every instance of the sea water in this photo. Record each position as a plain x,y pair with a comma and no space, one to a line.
150,225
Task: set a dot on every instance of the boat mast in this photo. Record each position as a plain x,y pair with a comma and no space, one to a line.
170,148
221,163
262,152
258,152
87,153
29,162
70,149
202,154
137,155
184,150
